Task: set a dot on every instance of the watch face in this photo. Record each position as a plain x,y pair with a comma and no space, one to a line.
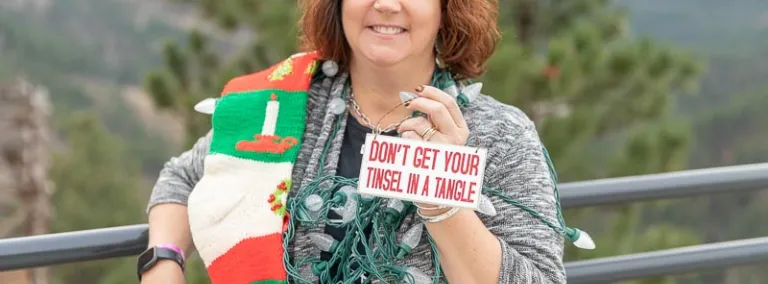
147,257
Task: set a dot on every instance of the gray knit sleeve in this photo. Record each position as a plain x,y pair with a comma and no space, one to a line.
180,174
532,252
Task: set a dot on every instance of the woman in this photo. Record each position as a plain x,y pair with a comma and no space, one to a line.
378,74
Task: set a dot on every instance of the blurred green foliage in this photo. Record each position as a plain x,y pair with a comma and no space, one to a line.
607,103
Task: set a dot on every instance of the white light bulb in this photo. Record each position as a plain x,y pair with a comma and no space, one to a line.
348,190
418,276
584,241
330,68
485,206
348,212
396,204
412,237
206,106
472,91
452,90
323,241
366,197
313,202
351,192
337,106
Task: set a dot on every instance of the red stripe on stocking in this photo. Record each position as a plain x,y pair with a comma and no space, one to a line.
253,259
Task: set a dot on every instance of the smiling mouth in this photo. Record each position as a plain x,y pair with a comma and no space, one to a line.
387,30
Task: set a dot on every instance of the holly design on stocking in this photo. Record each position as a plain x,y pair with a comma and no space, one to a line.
284,69
276,199
277,202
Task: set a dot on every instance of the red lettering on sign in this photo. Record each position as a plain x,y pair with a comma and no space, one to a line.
408,174
387,180
454,189
418,157
405,152
373,151
368,178
466,164
434,157
474,164
450,188
439,189
423,156
385,152
470,193
413,183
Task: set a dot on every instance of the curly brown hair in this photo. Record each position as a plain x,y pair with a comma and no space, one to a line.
467,37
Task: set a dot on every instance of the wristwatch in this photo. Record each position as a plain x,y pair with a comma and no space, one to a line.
152,255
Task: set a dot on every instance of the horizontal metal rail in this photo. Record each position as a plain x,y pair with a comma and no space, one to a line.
665,185
36,251
668,262
61,248
52,249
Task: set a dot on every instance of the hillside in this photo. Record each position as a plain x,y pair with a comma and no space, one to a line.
732,36
92,55
708,26
95,53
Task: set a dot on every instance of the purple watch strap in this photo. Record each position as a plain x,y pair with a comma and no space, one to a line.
174,248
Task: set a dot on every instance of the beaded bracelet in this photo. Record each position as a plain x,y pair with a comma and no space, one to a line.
438,218
430,208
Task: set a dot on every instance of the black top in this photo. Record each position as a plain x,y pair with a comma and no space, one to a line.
350,160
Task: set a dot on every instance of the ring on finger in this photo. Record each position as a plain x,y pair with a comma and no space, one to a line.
429,133
431,127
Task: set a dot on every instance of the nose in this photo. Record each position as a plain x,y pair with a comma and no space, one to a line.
388,6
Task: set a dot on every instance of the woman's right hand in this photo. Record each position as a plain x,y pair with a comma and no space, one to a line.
164,272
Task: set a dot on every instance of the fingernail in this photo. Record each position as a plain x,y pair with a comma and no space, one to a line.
406,97
419,89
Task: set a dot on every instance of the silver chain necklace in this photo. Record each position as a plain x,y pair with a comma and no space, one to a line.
367,121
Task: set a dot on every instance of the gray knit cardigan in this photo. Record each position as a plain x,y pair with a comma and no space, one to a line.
531,251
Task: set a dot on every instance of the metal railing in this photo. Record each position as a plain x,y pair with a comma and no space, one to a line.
53,249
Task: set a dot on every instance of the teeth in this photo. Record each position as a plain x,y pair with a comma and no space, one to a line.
387,30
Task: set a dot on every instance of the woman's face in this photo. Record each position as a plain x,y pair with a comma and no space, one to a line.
387,32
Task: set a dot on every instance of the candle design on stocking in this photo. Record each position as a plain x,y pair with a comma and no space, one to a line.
267,141
270,120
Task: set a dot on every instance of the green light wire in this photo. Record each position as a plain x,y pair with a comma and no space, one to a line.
379,250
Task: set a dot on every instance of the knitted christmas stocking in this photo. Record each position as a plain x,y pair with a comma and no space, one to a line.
237,210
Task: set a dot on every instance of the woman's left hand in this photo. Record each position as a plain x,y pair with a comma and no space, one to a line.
443,114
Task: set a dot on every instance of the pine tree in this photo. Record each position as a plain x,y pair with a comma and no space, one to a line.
196,70
600,97
573,68
601,101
